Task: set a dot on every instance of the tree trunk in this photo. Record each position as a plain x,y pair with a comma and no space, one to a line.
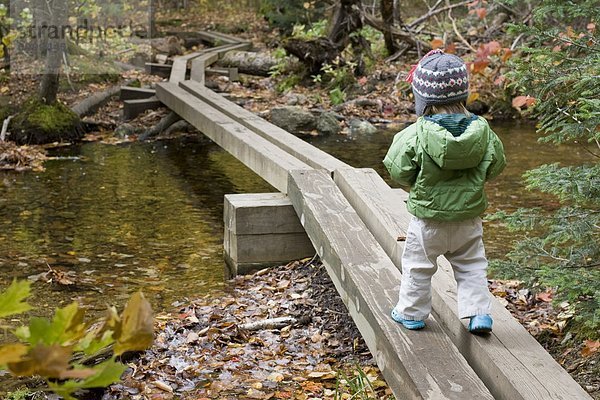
55,47
387,14
346,20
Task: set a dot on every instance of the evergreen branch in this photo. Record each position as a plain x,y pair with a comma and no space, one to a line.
570,42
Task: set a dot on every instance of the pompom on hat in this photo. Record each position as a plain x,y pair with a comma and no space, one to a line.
438,78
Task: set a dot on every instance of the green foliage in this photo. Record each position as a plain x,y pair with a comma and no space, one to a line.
47,346
358,386
315,30
12,301
337,96
21,394
285,14
337,77
375,38
560,68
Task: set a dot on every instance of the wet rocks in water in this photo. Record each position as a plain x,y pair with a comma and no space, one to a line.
327,124
293,119
361,127
124,130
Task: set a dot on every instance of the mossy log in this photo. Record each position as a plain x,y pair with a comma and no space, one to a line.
38,123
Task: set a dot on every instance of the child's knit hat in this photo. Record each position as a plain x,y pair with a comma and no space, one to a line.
438,78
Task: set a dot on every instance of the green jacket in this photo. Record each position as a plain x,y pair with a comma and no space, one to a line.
446,171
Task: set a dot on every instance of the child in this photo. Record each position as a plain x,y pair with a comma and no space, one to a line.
445,157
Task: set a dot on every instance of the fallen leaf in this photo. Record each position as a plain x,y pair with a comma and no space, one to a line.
523,101
436,43
135,332
590,347
545,296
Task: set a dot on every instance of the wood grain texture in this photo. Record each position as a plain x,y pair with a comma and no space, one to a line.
260,155
274,248
416,364
510,361
292,144
260,213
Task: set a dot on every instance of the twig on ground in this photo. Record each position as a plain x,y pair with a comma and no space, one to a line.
4,131
271,323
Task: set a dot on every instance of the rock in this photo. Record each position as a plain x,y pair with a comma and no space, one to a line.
327,124
170,45
296,99
478,107
124,130
361,127
293,119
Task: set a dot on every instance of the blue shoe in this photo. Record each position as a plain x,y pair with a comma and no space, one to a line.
481,324
407,323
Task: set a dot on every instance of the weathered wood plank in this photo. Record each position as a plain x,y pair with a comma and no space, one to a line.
134,93
260,213
295,146
230,38
215,39
132,108
510,361
270,248
199,66
416,365
179,68
260,155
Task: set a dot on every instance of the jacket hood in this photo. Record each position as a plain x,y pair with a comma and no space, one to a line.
454,152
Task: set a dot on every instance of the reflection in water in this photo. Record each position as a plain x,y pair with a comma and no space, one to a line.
506,192
143,215
150,215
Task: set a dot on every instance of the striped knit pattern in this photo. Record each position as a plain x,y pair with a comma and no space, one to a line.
439,79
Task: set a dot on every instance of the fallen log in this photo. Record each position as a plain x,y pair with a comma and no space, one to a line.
250,63
91,104
163,124
179,126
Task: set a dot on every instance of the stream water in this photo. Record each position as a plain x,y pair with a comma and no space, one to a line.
149,215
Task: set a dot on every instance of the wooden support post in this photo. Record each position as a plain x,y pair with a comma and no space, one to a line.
134,93
199,65
231,73
262,230
416,364
510,361
162,70
133,108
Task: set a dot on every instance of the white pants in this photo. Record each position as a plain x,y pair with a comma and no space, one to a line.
461,242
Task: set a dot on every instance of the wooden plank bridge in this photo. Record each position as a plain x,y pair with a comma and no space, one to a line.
353,218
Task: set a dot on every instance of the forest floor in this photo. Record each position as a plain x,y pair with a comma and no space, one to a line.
200,352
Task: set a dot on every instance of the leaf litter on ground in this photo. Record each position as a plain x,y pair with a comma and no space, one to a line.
201,351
